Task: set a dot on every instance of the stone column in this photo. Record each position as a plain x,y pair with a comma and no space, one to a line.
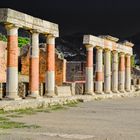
50,72
34,66
12,62
121,72
107,71
64,70
114,71
89,70
128,73
99,71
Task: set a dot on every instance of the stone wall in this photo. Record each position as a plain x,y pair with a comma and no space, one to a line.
59,66
3,58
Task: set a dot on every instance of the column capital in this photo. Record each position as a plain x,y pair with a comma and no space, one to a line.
114,51
127,55
50,39
122,54
99,48
11,26
107,50
34,32
50,36
89,47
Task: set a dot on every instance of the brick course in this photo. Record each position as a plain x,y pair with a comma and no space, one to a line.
59,66
3,58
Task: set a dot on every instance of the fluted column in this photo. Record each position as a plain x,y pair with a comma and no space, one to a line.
99,71
121,72
12,62
50,69
107,71
34,66
114,71
128,72
89,70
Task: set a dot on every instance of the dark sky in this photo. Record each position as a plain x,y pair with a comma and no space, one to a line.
120,18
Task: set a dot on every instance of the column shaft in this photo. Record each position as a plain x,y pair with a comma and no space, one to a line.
121,72
12,63
115,71
107,71
99,71
50,73
89,71
128,73
34,66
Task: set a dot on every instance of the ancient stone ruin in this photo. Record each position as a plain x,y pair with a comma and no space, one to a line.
44,65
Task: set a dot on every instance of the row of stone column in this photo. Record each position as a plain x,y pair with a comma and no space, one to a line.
116,75
12,64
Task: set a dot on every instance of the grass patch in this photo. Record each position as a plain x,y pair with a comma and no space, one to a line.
72,104
28,111
14,116
45,110
12,124
3,119
3,112
56,107
31,111
5,123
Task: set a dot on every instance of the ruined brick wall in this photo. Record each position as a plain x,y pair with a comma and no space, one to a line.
59,67
3,60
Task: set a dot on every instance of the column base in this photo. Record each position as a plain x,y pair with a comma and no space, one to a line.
107,92
89,93
34,95
50,94
115,91
128,90
122,91
99,92
8,97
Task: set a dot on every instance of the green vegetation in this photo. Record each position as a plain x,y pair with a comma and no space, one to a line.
72,104
6,123
22,41
13,116
133,64
6,116
3,37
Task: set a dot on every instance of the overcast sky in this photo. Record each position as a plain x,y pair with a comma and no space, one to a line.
120,18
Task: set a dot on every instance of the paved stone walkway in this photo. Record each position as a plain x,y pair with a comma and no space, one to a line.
110,119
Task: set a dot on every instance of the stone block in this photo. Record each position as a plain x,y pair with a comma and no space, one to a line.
63,91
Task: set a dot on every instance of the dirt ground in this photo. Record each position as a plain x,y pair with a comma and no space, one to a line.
114,119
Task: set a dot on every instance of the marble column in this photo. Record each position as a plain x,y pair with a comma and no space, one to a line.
12,62
107,71
122,72
50,69
89,70
128,73
114,71
99,71
34,66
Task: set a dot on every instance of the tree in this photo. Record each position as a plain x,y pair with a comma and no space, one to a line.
22,41
3,37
